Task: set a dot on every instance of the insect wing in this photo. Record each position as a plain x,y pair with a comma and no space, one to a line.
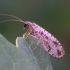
53,47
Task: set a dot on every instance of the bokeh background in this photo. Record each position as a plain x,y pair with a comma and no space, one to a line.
53,15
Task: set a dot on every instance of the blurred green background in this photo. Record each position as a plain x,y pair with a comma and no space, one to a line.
54,16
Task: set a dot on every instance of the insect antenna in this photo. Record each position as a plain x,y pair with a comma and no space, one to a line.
16,18
11,20
10,16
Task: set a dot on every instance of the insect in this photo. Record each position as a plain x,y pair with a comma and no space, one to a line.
50,43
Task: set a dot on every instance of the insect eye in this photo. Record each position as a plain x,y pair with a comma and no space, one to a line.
25,25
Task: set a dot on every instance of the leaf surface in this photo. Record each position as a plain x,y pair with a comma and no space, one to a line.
23,56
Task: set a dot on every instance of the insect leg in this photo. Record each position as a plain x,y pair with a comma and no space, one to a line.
27,33
39,41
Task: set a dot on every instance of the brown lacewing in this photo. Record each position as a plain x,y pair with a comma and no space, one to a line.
50,43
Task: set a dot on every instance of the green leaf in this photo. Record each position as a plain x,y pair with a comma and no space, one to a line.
23,56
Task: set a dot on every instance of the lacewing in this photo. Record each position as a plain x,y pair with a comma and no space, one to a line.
50,43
